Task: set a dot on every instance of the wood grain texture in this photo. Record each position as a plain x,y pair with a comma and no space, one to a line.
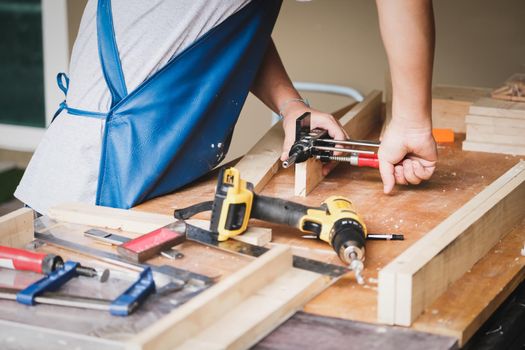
239,311
493,148
480,291
411,210
358,122
16,228
450,105
307,176
262,161
498,108
496,129
484,135
495,121
425,270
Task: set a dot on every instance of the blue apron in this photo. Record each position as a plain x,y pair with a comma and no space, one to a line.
176,125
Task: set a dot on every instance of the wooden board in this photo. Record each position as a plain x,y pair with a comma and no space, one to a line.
138,222
16,228
480,291
411,210
307,331
483,134
424,271
358,122
495,121
239,311
262,161
498,108
493,148
496,129
450,105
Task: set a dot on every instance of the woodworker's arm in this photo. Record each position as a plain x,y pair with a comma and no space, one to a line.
275,89
407,28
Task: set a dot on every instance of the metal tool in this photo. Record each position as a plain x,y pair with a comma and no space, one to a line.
114,239
166,277
385,237
334,222
43,291
43,263
317,143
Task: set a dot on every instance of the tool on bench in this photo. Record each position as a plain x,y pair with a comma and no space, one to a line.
144,247
44,290
43,263
317,143
335,221
167,278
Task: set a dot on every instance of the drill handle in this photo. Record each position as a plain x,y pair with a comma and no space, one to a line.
278,211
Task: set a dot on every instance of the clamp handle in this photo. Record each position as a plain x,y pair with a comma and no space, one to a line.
132,297
52,282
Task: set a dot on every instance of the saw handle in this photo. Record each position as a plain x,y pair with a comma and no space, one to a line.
278,211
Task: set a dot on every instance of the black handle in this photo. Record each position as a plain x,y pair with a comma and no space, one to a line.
277,210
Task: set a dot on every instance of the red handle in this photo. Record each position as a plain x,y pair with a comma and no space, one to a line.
367,161
19,259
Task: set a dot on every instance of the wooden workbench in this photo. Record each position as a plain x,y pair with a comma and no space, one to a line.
411,210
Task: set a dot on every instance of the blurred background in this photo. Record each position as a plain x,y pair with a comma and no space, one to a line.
479,43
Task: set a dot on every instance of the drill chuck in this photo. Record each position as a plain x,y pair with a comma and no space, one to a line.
348,240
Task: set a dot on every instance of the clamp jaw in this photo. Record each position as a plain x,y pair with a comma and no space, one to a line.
316,143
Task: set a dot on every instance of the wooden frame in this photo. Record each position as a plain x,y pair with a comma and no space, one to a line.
424,271
227,315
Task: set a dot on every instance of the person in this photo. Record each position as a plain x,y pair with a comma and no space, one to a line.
156,89
408,152
154,92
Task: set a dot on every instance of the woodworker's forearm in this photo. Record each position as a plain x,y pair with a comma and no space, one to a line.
272,84
407,28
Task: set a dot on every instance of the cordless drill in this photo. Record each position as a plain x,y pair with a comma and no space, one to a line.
335,221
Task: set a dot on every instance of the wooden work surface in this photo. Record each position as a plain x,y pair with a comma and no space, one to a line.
411,210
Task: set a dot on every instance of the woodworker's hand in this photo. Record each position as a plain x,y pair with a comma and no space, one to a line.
408,154
317,120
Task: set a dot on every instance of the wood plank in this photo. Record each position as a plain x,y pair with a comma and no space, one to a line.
496,129
427,268
450,105
242,301
358,123
498,108
516,137
494,121
307,176
307,331
16,228
140,222
462,309
262,161
493,148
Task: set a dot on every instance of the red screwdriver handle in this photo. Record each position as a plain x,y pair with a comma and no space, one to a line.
371,162
19,259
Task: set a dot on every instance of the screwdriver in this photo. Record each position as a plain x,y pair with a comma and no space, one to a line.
43,263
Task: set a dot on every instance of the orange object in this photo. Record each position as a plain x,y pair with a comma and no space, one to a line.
443,135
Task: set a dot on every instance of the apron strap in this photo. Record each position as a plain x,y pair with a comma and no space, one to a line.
63,84
108,53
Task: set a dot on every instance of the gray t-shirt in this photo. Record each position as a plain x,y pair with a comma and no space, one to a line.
65,165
